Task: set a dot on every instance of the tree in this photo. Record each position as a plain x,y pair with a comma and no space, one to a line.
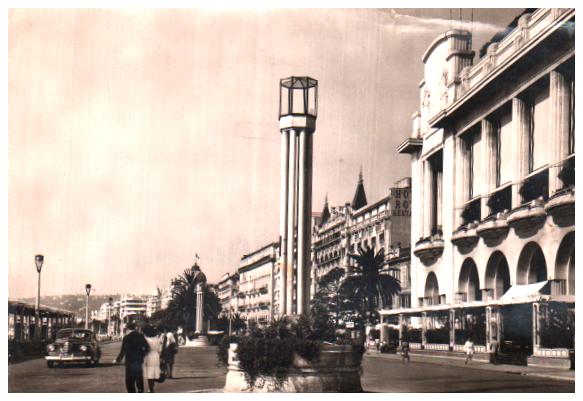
368,284
182,307
329,300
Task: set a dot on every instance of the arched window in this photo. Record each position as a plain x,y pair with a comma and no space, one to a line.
432,289
497,275
565,266
469,281
532,267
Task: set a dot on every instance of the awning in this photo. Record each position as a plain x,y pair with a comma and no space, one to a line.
524,291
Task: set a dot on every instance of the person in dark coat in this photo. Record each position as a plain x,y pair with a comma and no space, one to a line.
134,348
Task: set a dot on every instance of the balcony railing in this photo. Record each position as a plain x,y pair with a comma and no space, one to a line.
472,211
535,186
461,297
559,287
500,201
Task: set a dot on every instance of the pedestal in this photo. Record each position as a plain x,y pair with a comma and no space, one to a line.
200,341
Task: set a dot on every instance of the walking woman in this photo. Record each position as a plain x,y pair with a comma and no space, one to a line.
169,350
152,360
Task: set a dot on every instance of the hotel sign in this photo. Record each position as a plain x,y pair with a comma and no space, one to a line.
400,203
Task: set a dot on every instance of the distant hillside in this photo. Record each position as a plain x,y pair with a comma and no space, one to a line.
73,303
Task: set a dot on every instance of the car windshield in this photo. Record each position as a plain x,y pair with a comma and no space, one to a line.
74,334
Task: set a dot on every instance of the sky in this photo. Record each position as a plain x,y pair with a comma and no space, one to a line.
138,138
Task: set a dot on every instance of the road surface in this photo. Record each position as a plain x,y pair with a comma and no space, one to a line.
196,369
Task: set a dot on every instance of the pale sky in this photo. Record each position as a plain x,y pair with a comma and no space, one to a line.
138,138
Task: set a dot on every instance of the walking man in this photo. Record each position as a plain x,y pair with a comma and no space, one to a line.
469,348
494,348
134,348
405,351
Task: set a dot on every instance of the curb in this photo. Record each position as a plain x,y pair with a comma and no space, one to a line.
480,365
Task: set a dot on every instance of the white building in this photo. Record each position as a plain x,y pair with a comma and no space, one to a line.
256,284
130,305
492,164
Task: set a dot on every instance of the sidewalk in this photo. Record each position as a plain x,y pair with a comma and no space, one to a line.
457,359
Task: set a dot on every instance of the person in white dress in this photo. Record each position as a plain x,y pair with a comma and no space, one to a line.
151,367
469,347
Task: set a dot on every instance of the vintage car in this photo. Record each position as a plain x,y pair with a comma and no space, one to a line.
74,346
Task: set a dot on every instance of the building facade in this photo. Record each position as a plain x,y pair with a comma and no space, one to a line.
130,305
257,273
343,230
228,291
493,172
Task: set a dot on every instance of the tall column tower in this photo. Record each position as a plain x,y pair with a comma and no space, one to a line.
298,109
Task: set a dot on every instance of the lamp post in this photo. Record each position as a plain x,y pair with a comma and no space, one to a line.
88,291
110,305
38,260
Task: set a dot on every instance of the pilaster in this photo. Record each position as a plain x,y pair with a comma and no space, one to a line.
520,134
489,163
559,91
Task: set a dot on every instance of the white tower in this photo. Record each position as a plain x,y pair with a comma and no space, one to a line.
298,108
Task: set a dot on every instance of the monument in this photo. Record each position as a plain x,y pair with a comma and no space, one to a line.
298,108
199,280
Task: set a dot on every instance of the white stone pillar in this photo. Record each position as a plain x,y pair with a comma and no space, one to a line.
291,220
560,95
535,327
400,328
520,134
489,140
461,179
451,329
304,221
283,214
423,329
199,329
427,199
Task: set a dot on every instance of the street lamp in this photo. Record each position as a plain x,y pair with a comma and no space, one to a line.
88,291
38,261
110,305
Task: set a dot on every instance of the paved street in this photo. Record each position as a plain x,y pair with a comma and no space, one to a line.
196,370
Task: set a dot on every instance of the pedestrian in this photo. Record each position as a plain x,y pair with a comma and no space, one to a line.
152,360
469,348
169,350
405,351
133,348
494,349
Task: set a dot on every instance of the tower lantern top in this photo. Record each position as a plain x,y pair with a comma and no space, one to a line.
298,102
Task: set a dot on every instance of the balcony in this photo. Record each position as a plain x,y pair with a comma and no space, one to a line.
461,297
465,236
430,248
528,218
493,228
561,206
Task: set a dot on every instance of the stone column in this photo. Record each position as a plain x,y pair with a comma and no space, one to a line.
461,180
291,219
423,329
535,327
199,329
427,199
520,134
283,214
400,328
489,145
304,221
560,97
451,329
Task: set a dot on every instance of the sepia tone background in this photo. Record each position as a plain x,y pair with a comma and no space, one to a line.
138,138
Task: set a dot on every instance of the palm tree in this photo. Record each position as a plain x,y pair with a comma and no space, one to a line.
329,298
182,307
368,284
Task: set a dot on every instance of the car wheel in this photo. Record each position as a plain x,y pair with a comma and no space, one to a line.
50,364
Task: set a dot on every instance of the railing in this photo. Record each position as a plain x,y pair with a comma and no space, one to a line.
472,211
567,172
500,200
559,287
535,186
461,297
